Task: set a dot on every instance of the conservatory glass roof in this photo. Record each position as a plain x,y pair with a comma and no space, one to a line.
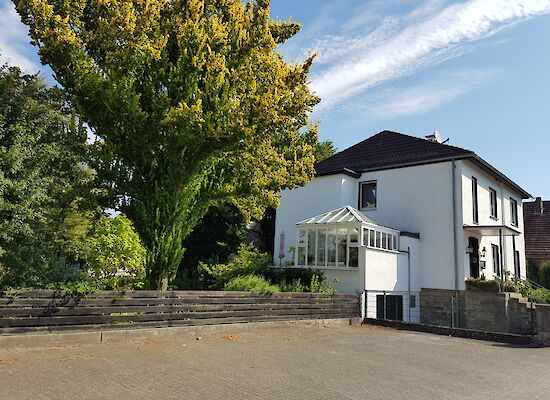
346,214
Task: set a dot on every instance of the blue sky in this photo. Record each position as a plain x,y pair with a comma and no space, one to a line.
478,70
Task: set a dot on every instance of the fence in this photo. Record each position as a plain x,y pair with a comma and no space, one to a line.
39,310
392,305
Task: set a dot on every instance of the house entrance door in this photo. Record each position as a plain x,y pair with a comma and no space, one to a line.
473,244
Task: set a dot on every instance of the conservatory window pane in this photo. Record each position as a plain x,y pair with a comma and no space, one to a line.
390,242
311,247
371,238
301,256
342,246
365,237
321,247
353,235
301,237
395,243
378,239
384,241
331,250
354,256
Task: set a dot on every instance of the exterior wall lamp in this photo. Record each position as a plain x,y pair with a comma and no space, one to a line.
483,252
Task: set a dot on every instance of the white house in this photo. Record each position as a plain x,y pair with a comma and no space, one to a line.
396,213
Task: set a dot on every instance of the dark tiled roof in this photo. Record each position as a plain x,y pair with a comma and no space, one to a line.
387,149
537,230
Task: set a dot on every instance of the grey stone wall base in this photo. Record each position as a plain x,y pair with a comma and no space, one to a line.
123,335
456,332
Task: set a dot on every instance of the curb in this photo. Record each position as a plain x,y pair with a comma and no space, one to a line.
53,339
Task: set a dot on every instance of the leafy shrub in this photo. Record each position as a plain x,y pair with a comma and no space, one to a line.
482,285
533,272
251,262
251,283
248,261
544,275
541,296
116,254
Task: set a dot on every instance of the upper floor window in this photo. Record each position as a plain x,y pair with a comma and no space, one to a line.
367,195
494,207
474,201
514,212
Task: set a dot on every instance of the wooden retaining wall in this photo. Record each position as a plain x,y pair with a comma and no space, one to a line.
46,310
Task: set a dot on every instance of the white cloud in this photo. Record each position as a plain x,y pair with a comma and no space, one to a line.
14,40
391,52
421,98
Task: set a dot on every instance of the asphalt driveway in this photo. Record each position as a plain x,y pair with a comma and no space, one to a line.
281,363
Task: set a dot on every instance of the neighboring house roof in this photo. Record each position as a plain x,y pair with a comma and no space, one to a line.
387,150
342,215
536,217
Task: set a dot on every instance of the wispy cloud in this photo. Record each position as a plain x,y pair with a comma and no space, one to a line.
14,40
422,97
400,46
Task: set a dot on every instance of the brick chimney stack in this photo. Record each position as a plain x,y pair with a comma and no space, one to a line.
539,206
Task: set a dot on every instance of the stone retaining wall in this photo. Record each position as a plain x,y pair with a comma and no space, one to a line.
543,323
492,312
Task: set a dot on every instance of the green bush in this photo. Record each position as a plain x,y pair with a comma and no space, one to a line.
251,283
533,272
541,296
482,285
116,254
544,275
248,261
251,262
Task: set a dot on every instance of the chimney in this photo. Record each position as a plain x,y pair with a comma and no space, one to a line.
539,206
435,137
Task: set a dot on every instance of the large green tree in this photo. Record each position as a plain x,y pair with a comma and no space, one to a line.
192,102
42,178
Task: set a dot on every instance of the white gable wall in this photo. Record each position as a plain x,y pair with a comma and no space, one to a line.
419,199
504,193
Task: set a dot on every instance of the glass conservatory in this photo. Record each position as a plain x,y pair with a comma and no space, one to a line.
333,239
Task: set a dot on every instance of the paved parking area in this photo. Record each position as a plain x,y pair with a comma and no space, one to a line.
281,363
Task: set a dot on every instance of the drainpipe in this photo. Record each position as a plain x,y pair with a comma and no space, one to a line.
409,278
453,180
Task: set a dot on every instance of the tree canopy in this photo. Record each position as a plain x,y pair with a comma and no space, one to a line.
193,105
42,178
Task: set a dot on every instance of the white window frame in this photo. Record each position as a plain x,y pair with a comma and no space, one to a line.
375,182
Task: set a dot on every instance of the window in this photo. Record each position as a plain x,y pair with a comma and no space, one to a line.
514,211
371,238
367,195
517,269
311,245
353,256
494,207
412,301
331,248
342,246
321,247
496,259
474,200
301,247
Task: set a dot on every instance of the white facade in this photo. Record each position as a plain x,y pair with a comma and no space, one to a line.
422,200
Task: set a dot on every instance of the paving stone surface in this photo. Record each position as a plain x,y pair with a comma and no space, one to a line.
281,363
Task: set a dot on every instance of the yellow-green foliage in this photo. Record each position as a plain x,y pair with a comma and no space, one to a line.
116,255
194,105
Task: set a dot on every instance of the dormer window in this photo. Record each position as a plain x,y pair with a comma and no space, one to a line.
367,195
